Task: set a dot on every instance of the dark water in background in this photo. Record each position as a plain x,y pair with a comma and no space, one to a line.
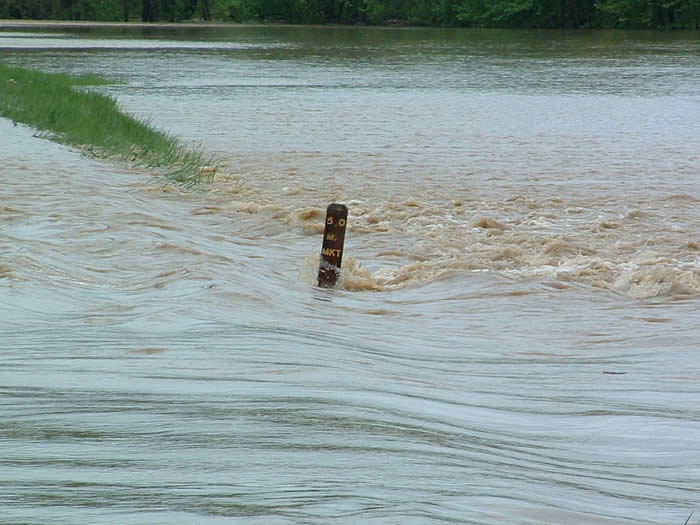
517,335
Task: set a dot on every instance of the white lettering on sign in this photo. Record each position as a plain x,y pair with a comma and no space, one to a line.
341,222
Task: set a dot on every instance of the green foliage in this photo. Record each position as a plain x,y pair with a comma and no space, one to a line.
650,13
527,13
383,11
276,10
487,13
92,121
66,9
433,13
230,11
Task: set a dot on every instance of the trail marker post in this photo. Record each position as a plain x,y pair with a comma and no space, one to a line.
333,240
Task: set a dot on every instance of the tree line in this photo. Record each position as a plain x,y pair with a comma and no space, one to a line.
447,13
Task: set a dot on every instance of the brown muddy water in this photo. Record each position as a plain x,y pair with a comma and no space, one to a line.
516,339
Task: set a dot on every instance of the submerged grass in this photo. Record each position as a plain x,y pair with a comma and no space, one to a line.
60,105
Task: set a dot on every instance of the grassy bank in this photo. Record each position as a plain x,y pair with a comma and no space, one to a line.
61,106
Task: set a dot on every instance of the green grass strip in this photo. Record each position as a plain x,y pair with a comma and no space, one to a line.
71,114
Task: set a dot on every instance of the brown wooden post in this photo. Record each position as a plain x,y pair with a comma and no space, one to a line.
333,240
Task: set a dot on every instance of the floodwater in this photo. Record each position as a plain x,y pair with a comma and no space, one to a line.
516,335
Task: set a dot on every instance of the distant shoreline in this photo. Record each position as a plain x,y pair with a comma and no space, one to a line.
20,23
77,24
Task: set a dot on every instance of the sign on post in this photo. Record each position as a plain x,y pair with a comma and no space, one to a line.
333,240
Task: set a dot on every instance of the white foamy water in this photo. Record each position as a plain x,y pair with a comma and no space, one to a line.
515,337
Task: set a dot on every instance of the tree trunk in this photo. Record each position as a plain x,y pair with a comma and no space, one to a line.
149,12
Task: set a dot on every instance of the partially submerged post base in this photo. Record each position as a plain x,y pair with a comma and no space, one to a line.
332,249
